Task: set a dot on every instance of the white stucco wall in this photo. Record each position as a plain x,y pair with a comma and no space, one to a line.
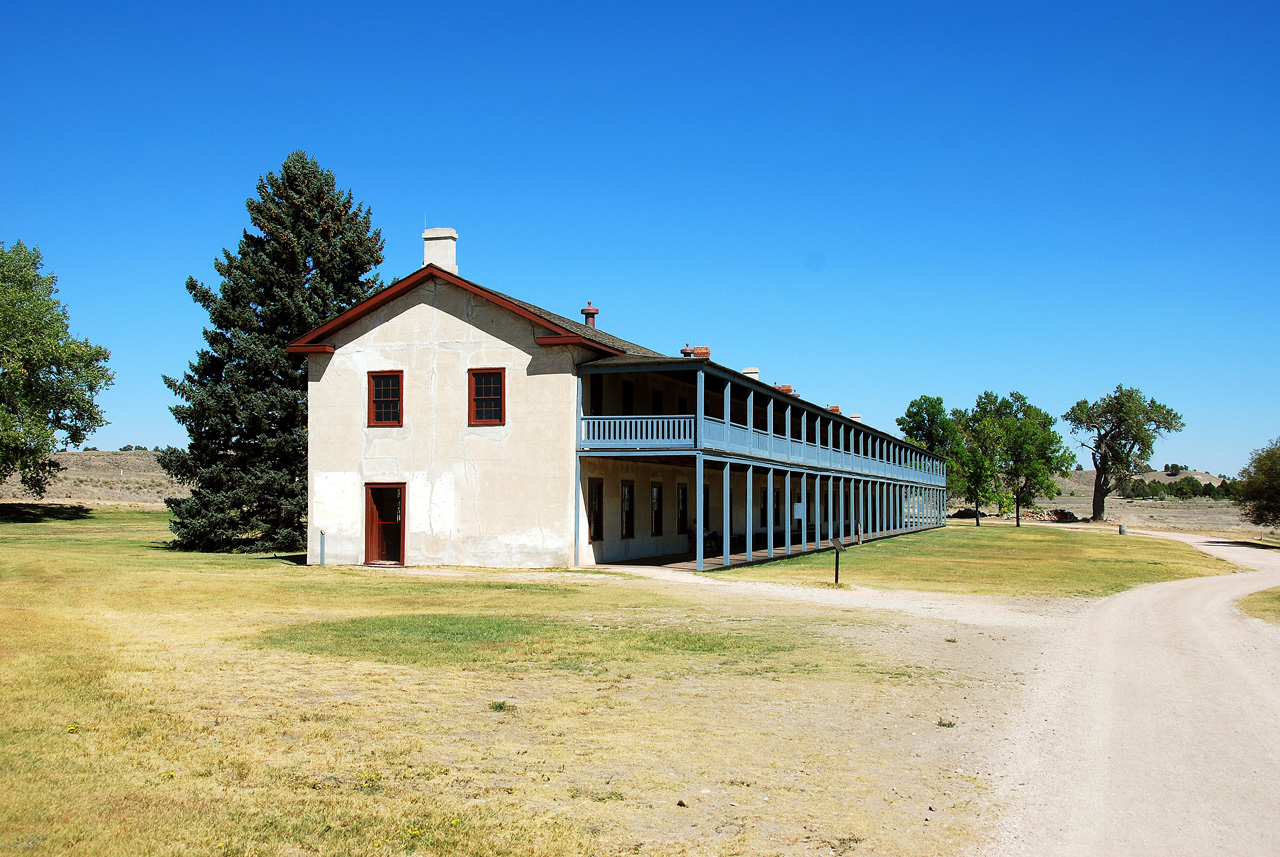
483,495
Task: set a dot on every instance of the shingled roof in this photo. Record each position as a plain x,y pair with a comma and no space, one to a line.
563,331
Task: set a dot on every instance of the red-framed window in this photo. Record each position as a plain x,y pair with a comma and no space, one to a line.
487,392
386,398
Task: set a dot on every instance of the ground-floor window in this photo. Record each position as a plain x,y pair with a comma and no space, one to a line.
682,509
595,507
655,509
628,509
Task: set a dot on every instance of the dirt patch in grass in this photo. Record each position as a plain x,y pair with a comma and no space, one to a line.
997,559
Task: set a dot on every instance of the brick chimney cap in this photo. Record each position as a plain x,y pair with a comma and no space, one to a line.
702,351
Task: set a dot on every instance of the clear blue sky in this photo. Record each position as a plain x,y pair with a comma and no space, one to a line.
869,203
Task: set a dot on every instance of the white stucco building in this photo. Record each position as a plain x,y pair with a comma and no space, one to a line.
453,424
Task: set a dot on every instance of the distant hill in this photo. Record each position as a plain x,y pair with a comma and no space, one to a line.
1082,480
103,477
1161,476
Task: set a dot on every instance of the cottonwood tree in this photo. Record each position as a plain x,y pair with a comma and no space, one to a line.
977,454
1034,453
1258,491
1121,430
309,257
48,379
927,423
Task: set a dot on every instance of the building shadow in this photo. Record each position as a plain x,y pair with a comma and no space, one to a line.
38,513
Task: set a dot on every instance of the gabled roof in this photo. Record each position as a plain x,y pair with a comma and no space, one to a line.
563,331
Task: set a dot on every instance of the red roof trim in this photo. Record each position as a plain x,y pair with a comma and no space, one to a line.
309,343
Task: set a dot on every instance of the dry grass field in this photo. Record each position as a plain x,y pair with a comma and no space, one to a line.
153,702
999,559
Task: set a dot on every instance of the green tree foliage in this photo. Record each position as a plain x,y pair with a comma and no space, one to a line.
926,423
1120,430
1033,454
309,259
977,454
1258,491
48,380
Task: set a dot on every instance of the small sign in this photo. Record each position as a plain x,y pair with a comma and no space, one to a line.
799,511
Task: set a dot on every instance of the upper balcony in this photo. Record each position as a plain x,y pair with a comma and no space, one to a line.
785,430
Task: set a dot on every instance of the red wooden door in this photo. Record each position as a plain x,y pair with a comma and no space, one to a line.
384,523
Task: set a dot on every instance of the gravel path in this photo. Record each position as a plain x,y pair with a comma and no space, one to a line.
1152,724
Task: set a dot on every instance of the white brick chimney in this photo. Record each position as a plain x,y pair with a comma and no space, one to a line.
440,248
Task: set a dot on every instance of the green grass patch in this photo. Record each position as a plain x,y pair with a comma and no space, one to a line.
523,642
998,560
1263,605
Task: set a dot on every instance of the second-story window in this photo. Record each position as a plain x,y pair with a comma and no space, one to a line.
487,406
386,398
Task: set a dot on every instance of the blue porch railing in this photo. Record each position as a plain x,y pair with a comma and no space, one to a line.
680,432
636,432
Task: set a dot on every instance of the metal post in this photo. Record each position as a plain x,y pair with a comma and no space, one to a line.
322,548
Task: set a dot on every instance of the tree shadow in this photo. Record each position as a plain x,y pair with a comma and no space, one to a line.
1235,543
38,513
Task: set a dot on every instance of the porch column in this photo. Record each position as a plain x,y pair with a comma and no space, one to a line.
700,513
750,516
768,497
577,475
698,436
844,486
726,496
728,396
831,485
804,507
786,502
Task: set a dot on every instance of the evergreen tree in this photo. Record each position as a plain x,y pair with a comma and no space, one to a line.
310,258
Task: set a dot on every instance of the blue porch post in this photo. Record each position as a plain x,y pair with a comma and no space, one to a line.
728,395
844,486
701,396
726,496
787,514
768,500
699,513
577,474
749,487
804,509
831,484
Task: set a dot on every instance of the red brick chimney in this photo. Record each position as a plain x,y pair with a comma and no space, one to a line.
702,352
589,314
835,409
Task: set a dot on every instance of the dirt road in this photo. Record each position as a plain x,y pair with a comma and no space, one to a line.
1152,725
